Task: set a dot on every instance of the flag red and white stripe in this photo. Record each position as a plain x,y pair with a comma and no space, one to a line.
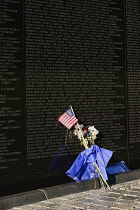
68,118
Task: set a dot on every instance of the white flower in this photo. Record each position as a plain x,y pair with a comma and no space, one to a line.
91,128
80,134
78,131
88,139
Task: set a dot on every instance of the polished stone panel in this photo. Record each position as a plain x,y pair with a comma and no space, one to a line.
60,53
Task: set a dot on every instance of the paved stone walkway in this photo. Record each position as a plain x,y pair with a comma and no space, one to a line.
121,196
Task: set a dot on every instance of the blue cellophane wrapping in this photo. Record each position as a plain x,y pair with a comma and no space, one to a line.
83,169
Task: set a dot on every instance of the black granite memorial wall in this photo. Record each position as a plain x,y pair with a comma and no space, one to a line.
59,53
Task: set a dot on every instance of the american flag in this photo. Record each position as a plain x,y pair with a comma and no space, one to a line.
68,118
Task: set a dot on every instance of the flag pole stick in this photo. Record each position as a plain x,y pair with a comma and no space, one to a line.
66,137
74,114
72,110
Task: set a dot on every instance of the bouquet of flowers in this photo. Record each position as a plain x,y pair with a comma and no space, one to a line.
86,135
